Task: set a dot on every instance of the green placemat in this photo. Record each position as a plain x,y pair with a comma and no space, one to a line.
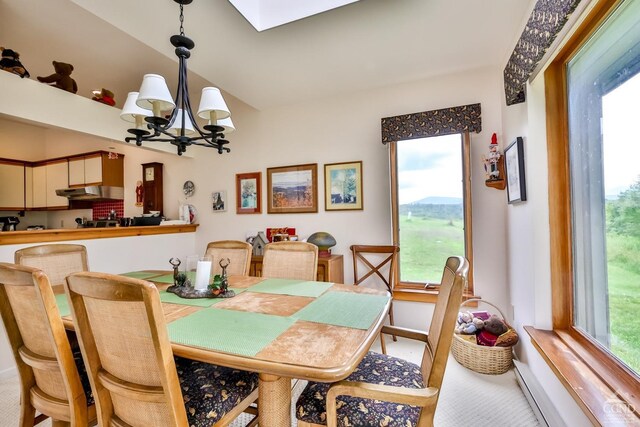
238,291
299,288
236,332
167,278
198,302
344,309
140,274
63,305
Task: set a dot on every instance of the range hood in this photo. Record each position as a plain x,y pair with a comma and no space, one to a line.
93,192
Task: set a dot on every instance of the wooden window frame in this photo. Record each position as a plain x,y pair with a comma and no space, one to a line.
586,368
422,292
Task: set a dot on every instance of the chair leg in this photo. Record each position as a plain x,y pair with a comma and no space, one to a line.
383,347
58,423
27,412
391,319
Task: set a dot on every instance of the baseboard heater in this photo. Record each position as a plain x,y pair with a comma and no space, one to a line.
542,407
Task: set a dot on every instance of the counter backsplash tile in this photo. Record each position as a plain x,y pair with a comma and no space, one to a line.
102,209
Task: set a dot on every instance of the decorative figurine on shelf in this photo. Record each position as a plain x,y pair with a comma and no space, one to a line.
61,78
494,166
104,96
11,62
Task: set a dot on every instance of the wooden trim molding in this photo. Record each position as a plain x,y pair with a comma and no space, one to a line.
60,235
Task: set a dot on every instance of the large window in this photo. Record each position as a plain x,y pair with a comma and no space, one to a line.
430,218
604,144
592,92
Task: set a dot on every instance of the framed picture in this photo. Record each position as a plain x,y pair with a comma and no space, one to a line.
248,187
292,189
514,163
219,201
343,186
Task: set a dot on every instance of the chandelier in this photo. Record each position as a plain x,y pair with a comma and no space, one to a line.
149,107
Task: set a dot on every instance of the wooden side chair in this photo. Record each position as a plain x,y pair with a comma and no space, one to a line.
137,381
385,390
377,262
53,380
57,261
238,252
290,260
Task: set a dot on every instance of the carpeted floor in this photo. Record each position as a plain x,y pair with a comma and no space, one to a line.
467,398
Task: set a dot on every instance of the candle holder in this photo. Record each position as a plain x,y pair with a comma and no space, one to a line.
184,288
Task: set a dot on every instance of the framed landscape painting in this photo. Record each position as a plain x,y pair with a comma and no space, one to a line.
292,189
343,186
248,187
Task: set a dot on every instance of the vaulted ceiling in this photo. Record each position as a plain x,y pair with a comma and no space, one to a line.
357,47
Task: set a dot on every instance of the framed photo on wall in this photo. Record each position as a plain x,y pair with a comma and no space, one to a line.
248,188
343,186
514,164
219,201
292,189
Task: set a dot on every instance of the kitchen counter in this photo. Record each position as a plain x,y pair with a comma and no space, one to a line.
62,234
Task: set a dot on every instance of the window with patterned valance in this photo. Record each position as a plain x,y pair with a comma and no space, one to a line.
445,121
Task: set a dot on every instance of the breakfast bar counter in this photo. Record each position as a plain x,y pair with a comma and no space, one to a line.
62,234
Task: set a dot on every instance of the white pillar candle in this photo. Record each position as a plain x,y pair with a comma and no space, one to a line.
203,272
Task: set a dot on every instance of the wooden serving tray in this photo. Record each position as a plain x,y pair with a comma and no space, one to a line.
191,293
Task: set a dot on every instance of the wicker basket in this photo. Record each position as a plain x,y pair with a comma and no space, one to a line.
479,358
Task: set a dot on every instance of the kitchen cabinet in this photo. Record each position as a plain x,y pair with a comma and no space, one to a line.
12,185
28,186
57,178
39,186
98,168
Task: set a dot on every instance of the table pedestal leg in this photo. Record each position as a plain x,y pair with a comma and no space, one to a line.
274,401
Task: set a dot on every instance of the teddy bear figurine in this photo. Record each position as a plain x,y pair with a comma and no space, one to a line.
467,324
105,96
11,62
61,78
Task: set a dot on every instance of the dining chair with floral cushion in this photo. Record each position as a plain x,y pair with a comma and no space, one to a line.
53,380
137,380
290,260
238,253
389,391
56,260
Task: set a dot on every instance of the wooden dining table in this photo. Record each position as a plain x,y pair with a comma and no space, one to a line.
281,329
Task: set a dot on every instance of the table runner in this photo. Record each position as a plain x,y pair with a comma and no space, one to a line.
351,310
166,278
301,288
236,332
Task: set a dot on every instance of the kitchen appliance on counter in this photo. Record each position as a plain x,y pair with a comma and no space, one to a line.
36,227
100,223
146,220
9,223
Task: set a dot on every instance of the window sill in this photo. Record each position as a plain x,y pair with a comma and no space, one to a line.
605,397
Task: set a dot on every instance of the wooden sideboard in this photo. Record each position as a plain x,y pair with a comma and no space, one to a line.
330,269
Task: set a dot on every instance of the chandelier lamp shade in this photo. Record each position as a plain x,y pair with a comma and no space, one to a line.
159,117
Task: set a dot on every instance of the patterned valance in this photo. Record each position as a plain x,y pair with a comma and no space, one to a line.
432,123
544,24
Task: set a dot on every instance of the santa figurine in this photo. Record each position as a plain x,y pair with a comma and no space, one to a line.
492,172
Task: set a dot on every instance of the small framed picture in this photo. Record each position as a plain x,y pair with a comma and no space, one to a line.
343,186
514,163
292,189
248,187
219,201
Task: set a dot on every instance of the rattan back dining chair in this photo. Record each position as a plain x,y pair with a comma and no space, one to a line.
51,376
290,260
376,262
238,253
137,381
57,261
385,390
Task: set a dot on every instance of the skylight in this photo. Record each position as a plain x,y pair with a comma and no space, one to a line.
265,14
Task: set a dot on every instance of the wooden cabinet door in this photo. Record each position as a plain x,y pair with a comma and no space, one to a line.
76,172
28,187
40,186
93,170
57,178
12,187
